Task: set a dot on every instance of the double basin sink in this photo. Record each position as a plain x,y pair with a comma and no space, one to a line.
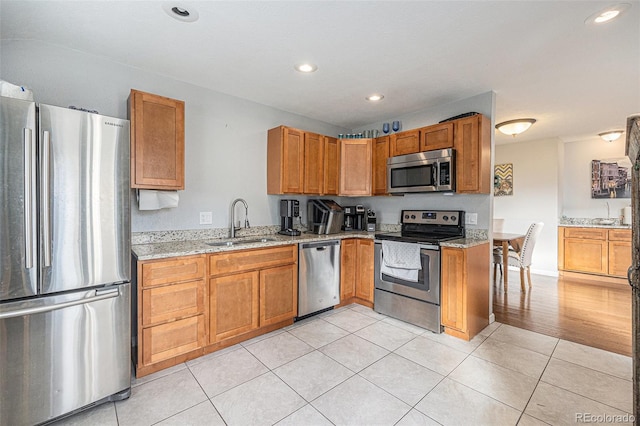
240,242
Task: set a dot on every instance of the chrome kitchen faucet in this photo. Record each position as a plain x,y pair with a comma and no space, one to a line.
233,229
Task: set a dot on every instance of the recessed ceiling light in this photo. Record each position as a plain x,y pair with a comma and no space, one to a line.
180,12
375,97
306,67
606,15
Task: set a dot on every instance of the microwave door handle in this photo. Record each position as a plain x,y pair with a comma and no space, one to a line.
434,174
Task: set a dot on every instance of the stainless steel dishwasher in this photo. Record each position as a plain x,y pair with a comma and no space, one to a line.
318,276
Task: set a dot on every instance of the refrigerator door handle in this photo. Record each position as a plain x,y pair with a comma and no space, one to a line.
29,171
46,212
100,294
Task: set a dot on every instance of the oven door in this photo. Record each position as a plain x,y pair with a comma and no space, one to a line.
426,289
409,173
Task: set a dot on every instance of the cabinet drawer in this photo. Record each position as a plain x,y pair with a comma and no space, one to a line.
173,270
172,339
620,235
248,260
586,233
172,301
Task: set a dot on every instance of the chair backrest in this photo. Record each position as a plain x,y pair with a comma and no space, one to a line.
529,243
498,225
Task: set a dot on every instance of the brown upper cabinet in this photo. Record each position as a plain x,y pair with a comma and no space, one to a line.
157,141
438,136
380,156
355,167
472,142
331,165
405,142
313,163
285,161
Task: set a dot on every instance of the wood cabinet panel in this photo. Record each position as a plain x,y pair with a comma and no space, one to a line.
405,142
619,235
313,163
348,263
472,142
364,269
586,233
380,156
157,141
438,136
285,161
168,302
586,255
620,258
172,271
168,340
453,273
355,166
233,306
356,270
245,260
278,294
331,165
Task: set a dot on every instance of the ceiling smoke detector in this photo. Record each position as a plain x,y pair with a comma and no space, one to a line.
180,12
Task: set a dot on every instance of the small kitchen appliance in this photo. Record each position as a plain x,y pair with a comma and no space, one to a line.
371,221
289,209
428,171
324,216
354,218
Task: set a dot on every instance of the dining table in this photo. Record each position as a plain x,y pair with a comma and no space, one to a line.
504,240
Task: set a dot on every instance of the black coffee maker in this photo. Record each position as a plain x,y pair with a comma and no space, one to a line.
288,210
354,218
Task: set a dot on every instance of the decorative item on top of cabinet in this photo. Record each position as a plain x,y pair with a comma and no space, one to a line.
472,142
157,141
380,156
331,165
437,136
172,313
355,167
285,161
464,285
356,271
405,142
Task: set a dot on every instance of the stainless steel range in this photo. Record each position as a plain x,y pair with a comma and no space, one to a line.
415,298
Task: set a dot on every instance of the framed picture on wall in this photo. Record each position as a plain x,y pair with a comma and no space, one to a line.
611,178
503,180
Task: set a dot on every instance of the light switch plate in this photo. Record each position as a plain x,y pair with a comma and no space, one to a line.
471,218
206,218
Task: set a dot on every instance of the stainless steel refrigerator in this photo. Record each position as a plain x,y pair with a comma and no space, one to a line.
64,261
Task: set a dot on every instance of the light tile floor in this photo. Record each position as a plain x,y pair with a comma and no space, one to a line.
353,366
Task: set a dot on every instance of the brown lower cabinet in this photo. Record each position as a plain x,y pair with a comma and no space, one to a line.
356,271
465,290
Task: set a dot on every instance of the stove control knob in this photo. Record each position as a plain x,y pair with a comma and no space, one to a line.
453,218
406,216
413,216
445,218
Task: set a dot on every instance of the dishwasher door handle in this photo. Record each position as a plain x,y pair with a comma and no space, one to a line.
320,244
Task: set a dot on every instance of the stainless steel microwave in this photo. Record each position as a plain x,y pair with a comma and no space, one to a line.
428,171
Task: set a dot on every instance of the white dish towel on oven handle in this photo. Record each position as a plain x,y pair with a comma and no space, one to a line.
401,260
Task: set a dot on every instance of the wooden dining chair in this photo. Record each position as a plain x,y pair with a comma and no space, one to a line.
521,259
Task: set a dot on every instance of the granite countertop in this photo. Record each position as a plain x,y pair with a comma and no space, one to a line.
578,222
161,250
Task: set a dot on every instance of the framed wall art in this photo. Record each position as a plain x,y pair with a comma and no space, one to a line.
611,178
503,180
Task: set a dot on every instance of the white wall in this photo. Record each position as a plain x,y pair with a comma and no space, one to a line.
225,137
576,183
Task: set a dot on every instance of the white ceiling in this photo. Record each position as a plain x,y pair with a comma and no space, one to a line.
538,56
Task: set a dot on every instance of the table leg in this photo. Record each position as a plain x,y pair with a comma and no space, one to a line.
505,263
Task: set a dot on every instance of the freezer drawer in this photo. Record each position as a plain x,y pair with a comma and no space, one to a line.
318,276
61,353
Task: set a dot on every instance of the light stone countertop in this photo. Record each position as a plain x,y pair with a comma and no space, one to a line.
464,242
580,222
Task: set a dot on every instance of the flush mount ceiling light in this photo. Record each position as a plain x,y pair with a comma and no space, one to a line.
606,15
515,127
611,135
180,12
306,67
375,97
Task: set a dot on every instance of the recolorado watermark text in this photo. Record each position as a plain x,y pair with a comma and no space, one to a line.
604,418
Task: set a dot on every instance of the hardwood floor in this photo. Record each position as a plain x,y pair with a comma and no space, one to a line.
589,312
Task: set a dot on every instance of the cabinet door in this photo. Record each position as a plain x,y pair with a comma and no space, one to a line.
278,294
438,136
172,301
168,340
313,164
292,161
472,140
233,305
364,269
586,255
355,166
405,143
157,141
619,258
453,282
380,156
331,165
348,262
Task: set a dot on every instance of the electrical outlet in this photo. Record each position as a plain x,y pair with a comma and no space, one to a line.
206,218
471,218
